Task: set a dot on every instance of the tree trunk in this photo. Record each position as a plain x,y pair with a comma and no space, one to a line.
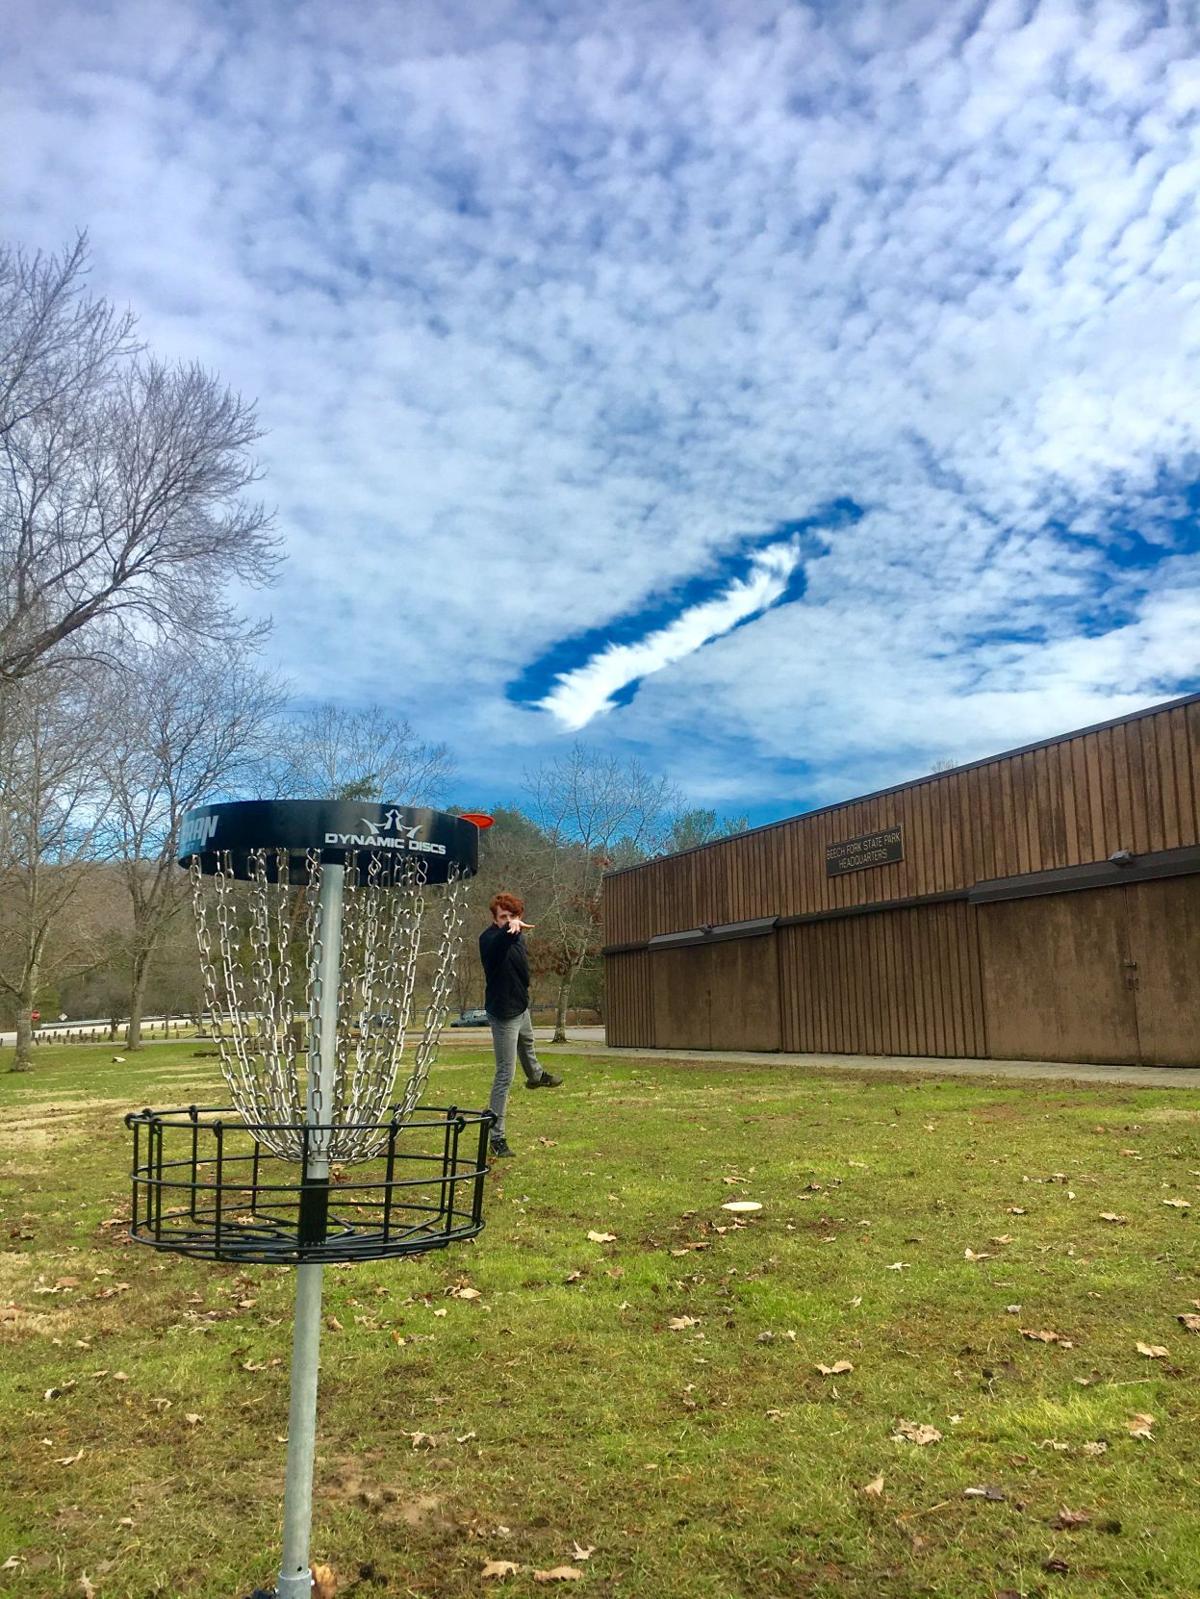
137,996
560,1011
23,1059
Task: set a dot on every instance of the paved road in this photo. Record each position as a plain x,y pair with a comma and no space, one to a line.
590,1041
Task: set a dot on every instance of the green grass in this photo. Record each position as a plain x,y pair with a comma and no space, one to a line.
712,1462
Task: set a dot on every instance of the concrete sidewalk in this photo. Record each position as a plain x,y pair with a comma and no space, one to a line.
590,1041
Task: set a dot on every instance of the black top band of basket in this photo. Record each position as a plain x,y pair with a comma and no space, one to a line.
341,832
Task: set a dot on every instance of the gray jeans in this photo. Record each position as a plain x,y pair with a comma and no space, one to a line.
510,1039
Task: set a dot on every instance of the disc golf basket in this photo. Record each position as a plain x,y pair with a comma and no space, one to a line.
318,922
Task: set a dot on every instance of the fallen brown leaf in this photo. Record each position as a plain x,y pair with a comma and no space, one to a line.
680,1323
1179,1204
85,1586
1153,1351
578,1552
500,1568
558,1574
969,1254
1111,1215
601,1238
1139,1426
1045,1337
333,1324
1072,1518
324,1582
916,1432
874,1488
836,1370
1190,1320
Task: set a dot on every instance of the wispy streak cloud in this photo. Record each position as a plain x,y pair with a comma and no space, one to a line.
591,689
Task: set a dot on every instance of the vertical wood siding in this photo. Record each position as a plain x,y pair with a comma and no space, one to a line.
1133,786
903,982
629,1000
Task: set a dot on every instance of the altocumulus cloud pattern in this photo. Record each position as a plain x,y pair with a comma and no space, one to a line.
547,306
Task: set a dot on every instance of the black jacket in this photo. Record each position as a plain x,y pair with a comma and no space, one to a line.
506,971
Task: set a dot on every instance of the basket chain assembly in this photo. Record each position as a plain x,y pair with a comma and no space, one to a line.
260,953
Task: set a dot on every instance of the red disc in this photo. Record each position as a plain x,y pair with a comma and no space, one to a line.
480,818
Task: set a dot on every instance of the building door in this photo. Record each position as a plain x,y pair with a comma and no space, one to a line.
1164,941
681,999
1055,978
720,995
1106,974
743,979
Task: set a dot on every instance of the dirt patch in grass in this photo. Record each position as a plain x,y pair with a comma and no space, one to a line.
352,1484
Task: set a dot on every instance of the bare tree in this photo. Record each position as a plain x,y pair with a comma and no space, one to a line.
329,752
592,808
53,804
193,725
689,829
57,344
121,478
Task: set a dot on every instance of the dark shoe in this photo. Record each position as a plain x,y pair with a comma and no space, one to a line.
500,1147
546,1080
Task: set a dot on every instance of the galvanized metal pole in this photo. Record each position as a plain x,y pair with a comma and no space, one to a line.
295,1580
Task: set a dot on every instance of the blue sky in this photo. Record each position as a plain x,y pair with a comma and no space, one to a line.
792,396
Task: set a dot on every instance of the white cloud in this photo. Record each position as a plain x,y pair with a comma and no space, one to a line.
588,690
546,313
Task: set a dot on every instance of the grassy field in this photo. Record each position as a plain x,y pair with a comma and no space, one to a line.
656,1399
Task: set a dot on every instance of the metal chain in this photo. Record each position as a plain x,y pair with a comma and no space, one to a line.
454,907
381,947
254,936
312,943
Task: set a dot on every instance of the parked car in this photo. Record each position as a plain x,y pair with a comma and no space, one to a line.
471,1018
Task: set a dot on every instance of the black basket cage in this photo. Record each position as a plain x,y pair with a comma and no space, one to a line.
206,1183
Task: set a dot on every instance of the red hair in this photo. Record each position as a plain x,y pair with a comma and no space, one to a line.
509,903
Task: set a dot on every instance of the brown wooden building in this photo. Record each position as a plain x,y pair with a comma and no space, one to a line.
1043,905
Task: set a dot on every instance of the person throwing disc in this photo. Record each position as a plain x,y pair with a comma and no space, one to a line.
505,961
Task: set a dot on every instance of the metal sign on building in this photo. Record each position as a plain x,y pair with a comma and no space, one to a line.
872,849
